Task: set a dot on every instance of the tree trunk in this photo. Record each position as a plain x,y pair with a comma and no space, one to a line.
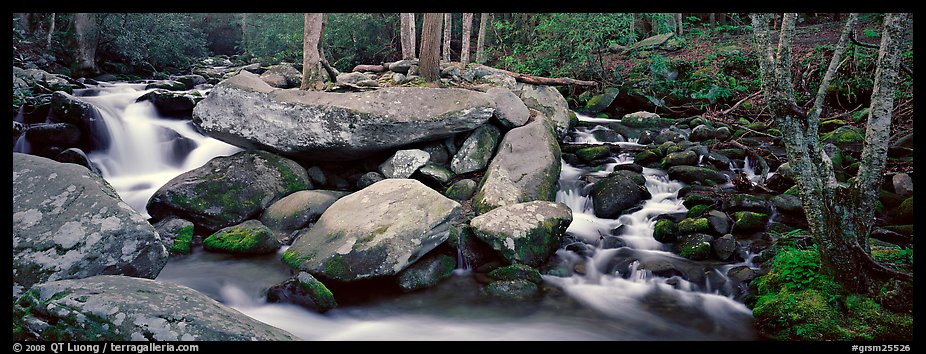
678,21
87,37
413,34
51,28
711,20
313,73
467,34
481,38
407,34
429,61
244,32
448,26
840,217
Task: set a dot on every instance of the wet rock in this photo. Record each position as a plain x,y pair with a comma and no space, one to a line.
748,202
786,203
680,158
510,111
724,247
615,194
601,102
903,184
45,135
190,81
437,151
693,174
375,232
404,163
228,190
120,308
749,221
741,274
665,231
245,239
693,225
609,242
426,272
171,85
461,190
593,153
171,103
297,210
526,233
368,179
695,246
476,151
629,167
646,158
719,222
282,75
519,290
317,176
177,234
69,223
516,272
303,290
634,176
645,120
435,173
76,156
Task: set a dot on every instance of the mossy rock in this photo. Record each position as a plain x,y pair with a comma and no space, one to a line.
665,231
516,272
733,153
695,247
519,290
601,102
183,241
748,202
903,229
844,135
694,174
304,290
461,190
904,212
757,126
426,272
687,157
646,157
794,190
831,125
646,120
693,199
593,153
697,210
690,226
749,221
248,238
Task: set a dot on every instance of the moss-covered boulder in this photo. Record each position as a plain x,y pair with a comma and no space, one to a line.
749,221
786,203
615,194
693,225
904,212
432,172
646,157
593,153
697,210
694,174
461,190
177,234
297,210
526,233
601,102
634,176
121,308
844,135
703,132
748,202
646,120
303,290
687,157
247,238
426,272
695,246
665,231
526,168
375,232
228,190
519,290
699,198
477,150
516,272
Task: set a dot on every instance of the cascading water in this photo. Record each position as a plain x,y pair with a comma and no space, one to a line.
145,150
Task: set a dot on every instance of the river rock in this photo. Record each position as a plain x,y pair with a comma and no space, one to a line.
45,135
687,157
367,179
170,103
719,222
525,168
282,75
191,80
701,133
518,290
724,247
177,234
903,184
461,190
510,111
692,174
516,272
612,195
228,190
435,173
476,151
748,202
644,119
245,239
78,157
119,308
297,210
170,85
404,163
717,160
377,231
786,203
601,102
665,231
68,109
426,272
549,102
245,111
526,233
749,221
695,246
303,290
69,223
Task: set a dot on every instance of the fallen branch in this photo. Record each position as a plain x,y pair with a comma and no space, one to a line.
549,81
725,112
371,68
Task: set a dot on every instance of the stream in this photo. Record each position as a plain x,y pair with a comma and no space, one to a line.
607,296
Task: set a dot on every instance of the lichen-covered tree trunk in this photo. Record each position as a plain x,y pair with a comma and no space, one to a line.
448,26
467,34
840,216
87,37
244,32
678,21
481,38
429,61
313,73
407,34
51,28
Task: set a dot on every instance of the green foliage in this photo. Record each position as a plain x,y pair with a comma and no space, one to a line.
275,37
794,269
160,41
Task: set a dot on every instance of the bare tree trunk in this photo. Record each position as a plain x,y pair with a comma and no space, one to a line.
654,24
467,34
51,28
678,21
429,60
448,26
87,37
407,35
244,32
711,20
413,32
481,38
840,217
313,73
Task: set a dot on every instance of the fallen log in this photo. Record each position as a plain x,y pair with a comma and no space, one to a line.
549,81
371,68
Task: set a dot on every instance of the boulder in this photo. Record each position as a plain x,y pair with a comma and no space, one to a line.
549,102
69,223
317,176
643,119
170,85
461,190
228,190
786,203
693,225
719,222
245,111
191,80
724,247
844,135
694,174
355,78
367,179
695,246
119,308
78,157
402,66
518,290
665,231
69,109
375,232
435,173
686,157
245,239
303,290
53,134
171,103
282,75
404,163
426,272
702,133
601,102
717,160
526,233
526,168
649,42
516,272
748,202
297,210
612,195
177,234
33,77
903,184
510,111
749,221
476,151
593,153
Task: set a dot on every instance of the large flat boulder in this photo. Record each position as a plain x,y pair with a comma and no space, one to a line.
525,168
69,223
245,111
119,308
375,232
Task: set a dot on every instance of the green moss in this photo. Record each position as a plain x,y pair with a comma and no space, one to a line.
749,221
317,290
337,267
602,115
904,211
239,240
696,251
794,190
515,272
844,135
665,231
697,210
593,153
757,126
293,259
645,157
183,240
573,119
690,226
